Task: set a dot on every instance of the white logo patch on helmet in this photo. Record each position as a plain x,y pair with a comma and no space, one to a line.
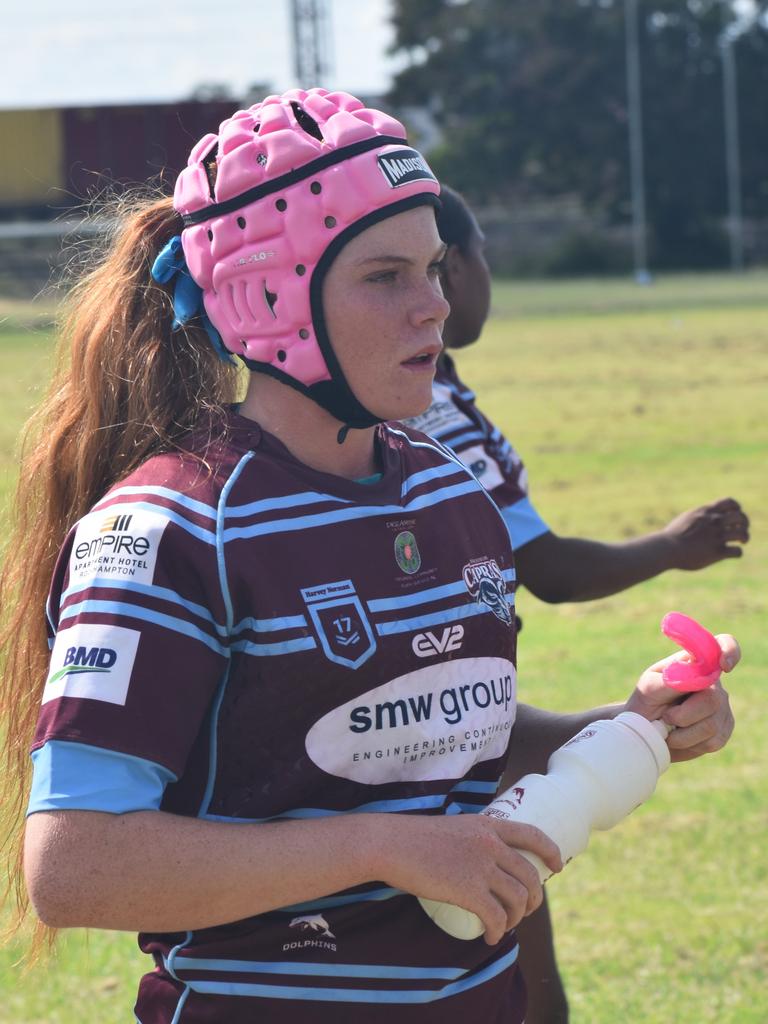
404,166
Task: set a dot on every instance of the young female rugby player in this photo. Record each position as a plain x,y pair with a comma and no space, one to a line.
245,746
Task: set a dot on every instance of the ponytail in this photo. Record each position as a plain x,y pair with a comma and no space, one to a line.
126,387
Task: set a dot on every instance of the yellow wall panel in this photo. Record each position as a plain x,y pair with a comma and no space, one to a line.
33,159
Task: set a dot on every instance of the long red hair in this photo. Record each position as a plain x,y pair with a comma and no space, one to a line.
125,387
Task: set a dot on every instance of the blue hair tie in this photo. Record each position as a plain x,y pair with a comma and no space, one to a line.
187,294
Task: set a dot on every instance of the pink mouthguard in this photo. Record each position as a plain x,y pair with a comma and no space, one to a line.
704,668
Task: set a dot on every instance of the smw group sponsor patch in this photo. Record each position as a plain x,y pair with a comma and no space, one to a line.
120,542
433,723
93,662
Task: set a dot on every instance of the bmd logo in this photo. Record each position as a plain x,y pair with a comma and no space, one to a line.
92,661
86,659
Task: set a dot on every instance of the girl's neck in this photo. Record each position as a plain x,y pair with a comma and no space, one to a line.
309,432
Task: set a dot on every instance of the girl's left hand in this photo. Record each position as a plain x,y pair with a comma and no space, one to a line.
702,722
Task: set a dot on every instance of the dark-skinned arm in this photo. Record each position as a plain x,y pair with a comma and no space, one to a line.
557,569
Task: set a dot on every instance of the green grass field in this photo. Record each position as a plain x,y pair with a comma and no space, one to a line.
628,405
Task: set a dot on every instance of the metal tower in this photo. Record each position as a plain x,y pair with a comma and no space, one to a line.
311,43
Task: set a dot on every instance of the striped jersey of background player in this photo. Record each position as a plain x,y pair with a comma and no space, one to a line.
260,725
552,567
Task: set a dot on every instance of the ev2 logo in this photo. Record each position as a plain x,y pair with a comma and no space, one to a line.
427,645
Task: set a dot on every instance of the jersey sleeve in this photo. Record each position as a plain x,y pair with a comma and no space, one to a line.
524,523
139,649
455,420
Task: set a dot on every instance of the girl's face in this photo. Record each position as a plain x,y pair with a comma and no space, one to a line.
384,311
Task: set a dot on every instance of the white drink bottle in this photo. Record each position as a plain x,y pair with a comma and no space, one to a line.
593,781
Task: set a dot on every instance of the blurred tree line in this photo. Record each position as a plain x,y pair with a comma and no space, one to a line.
531,99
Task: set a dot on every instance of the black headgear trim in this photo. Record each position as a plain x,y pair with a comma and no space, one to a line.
285,180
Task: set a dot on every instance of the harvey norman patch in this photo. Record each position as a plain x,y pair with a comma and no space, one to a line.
93,662
401,166
119,542
342,626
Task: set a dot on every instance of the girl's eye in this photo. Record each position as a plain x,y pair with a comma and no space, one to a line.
383,276
435,269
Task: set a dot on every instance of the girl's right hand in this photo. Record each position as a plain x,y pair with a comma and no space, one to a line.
469,860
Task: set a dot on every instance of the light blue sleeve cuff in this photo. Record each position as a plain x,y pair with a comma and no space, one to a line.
523,522
78,777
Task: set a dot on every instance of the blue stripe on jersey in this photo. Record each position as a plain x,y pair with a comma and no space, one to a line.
180,1006
386,604
425,475
149,590
125,608
426,596
213,734
458,389
174,953
78,777
329,902
188,963
471,786
415,803
469,436
213,750
207,536
221,513
345,514
350,995
162,492
302,643
523,522
253,508
464,611
270,625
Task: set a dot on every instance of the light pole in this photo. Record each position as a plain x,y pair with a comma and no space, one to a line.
636,163
732,154
311,47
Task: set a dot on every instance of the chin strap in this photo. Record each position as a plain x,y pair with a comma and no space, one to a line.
341,437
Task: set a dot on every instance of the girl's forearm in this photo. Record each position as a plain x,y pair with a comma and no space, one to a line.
153,871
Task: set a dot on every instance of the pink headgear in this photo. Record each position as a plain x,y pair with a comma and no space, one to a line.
267,205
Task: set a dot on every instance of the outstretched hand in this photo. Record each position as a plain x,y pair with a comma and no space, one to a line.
702,722
702,536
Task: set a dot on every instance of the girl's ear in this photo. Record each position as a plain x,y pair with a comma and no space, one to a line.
453,262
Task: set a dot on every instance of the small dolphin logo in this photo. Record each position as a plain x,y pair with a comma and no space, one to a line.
513,797
314,923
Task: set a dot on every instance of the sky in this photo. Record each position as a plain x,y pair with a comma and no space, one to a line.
99,51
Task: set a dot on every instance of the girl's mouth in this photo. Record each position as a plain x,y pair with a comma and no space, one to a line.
425,360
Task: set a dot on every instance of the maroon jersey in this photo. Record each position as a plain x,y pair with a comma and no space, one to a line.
240,638
454,419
